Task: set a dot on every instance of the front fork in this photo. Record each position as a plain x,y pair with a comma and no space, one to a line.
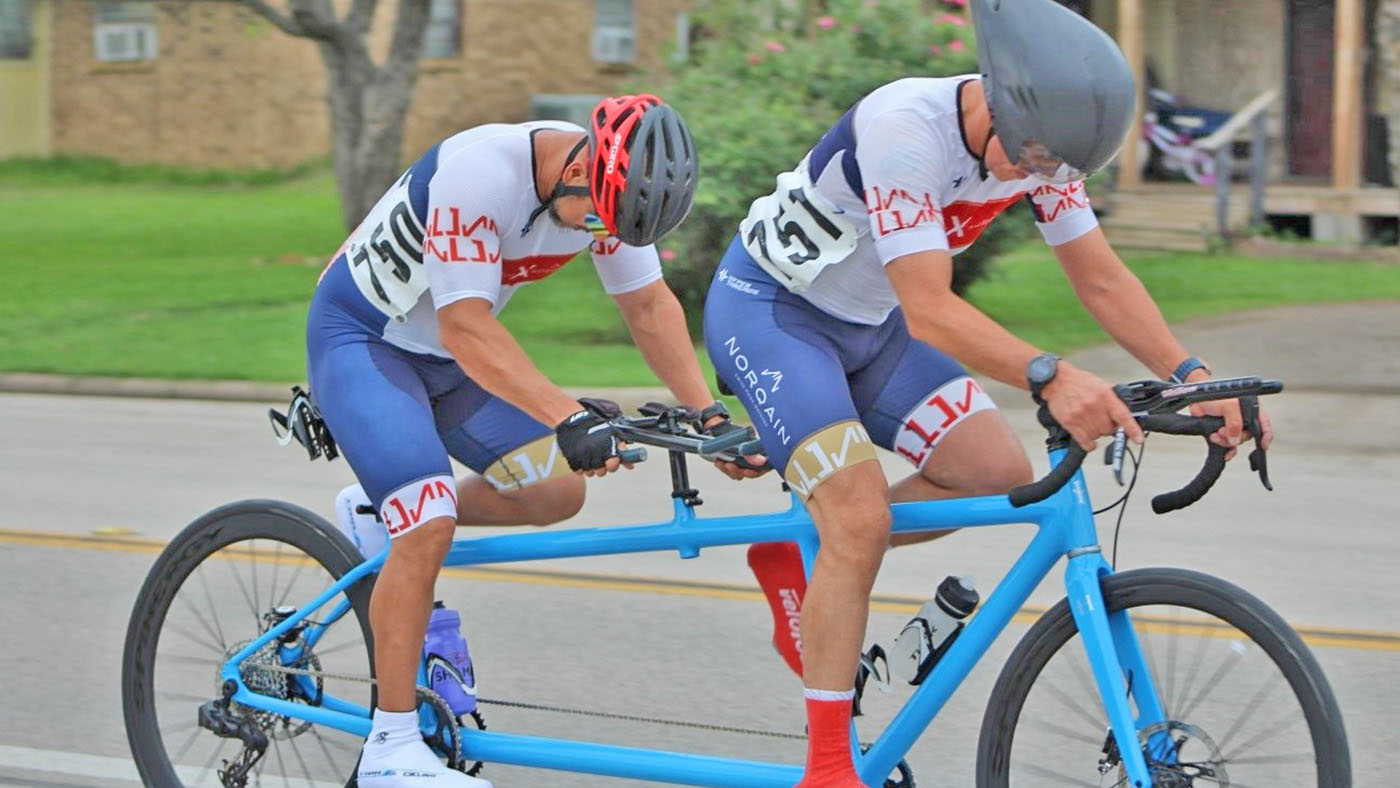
1119,667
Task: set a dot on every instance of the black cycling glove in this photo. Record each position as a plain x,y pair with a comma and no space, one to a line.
586,441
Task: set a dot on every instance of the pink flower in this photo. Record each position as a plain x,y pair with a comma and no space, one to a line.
871,3
775,46
958,3
934,49
957,45
826,22
667,255
951,19
755,59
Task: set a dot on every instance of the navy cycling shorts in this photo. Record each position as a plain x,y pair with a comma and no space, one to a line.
398,415
823,392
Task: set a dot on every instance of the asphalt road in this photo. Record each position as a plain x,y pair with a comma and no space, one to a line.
1321,550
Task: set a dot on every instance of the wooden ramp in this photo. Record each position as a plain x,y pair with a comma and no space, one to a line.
1177,219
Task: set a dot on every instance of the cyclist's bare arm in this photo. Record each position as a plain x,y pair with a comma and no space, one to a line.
493,359
1118,301
657,324
1121,304
658,327
1084,403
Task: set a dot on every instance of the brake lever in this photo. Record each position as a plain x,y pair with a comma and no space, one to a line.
1258,461
1113,454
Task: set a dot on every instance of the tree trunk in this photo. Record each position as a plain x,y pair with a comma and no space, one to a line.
368,103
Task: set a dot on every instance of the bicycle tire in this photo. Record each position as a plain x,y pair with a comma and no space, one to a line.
219,528
1181,588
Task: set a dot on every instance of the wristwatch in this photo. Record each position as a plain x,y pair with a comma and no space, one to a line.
1191,364
1040,371
717,409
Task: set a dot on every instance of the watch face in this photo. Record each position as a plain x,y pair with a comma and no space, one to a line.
1042,369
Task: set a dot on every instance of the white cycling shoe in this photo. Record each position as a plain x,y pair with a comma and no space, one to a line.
409,765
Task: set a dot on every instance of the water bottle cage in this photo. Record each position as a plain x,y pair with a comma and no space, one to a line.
303,423
928,653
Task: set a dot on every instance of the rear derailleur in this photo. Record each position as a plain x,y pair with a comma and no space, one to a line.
218,716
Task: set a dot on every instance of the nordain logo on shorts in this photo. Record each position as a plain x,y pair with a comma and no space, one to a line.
735,283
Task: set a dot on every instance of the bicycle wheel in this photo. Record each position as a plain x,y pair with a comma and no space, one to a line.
1246,704
214,589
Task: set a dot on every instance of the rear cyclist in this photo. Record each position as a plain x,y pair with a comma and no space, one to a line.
832,317
409,364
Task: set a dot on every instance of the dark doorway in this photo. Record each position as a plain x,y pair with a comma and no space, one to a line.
1310,42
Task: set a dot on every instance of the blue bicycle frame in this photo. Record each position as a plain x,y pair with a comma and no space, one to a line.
1065,528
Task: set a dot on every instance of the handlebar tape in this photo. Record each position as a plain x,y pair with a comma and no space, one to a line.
1044,488
1177,424
1197,487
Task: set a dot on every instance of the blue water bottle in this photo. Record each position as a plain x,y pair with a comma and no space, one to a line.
449,665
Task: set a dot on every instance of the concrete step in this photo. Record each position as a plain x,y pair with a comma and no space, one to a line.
1155,238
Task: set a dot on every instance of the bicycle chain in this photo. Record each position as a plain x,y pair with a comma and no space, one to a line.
557,709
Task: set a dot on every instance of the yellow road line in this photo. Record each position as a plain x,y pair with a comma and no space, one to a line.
1335,637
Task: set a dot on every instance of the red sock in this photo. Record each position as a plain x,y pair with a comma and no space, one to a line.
829,742
778,567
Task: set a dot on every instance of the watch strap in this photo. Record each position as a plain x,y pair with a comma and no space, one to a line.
1185,368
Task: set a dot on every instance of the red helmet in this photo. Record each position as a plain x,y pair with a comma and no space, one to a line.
644,167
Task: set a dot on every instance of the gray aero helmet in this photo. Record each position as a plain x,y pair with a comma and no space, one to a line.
645,169
1055,79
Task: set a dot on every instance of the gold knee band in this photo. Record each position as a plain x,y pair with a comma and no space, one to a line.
537,461
825,452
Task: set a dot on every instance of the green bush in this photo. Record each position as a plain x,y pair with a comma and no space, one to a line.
762,83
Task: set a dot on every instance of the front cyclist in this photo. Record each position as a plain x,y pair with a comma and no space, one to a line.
409,364
832,318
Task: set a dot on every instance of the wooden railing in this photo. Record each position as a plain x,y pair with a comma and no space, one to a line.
1221,143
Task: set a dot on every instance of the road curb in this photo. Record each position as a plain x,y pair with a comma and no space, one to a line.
240,390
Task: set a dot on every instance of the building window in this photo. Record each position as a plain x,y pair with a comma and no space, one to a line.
443,37
125,31
614,31
572,107
15,42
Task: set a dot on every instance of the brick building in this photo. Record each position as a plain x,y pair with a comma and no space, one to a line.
211,84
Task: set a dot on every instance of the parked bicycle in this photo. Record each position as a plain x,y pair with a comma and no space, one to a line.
1156,677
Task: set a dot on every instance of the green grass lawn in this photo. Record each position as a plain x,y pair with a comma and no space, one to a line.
212,281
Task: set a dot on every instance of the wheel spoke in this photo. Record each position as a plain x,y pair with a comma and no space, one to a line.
1073,705
1072,735
209,764
183,696
1268,732
213,608
186,745
247,597
325,750
1250,708
276,566
197,639
1197,659
253,567
1173,627
1228,665
291,582
182,659
1060,777
305,770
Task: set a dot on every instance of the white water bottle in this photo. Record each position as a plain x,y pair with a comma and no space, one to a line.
366,531
928,634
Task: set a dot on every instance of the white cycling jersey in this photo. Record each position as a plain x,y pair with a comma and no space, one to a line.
454,227
894,176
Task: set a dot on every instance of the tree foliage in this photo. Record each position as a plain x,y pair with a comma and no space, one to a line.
764,80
